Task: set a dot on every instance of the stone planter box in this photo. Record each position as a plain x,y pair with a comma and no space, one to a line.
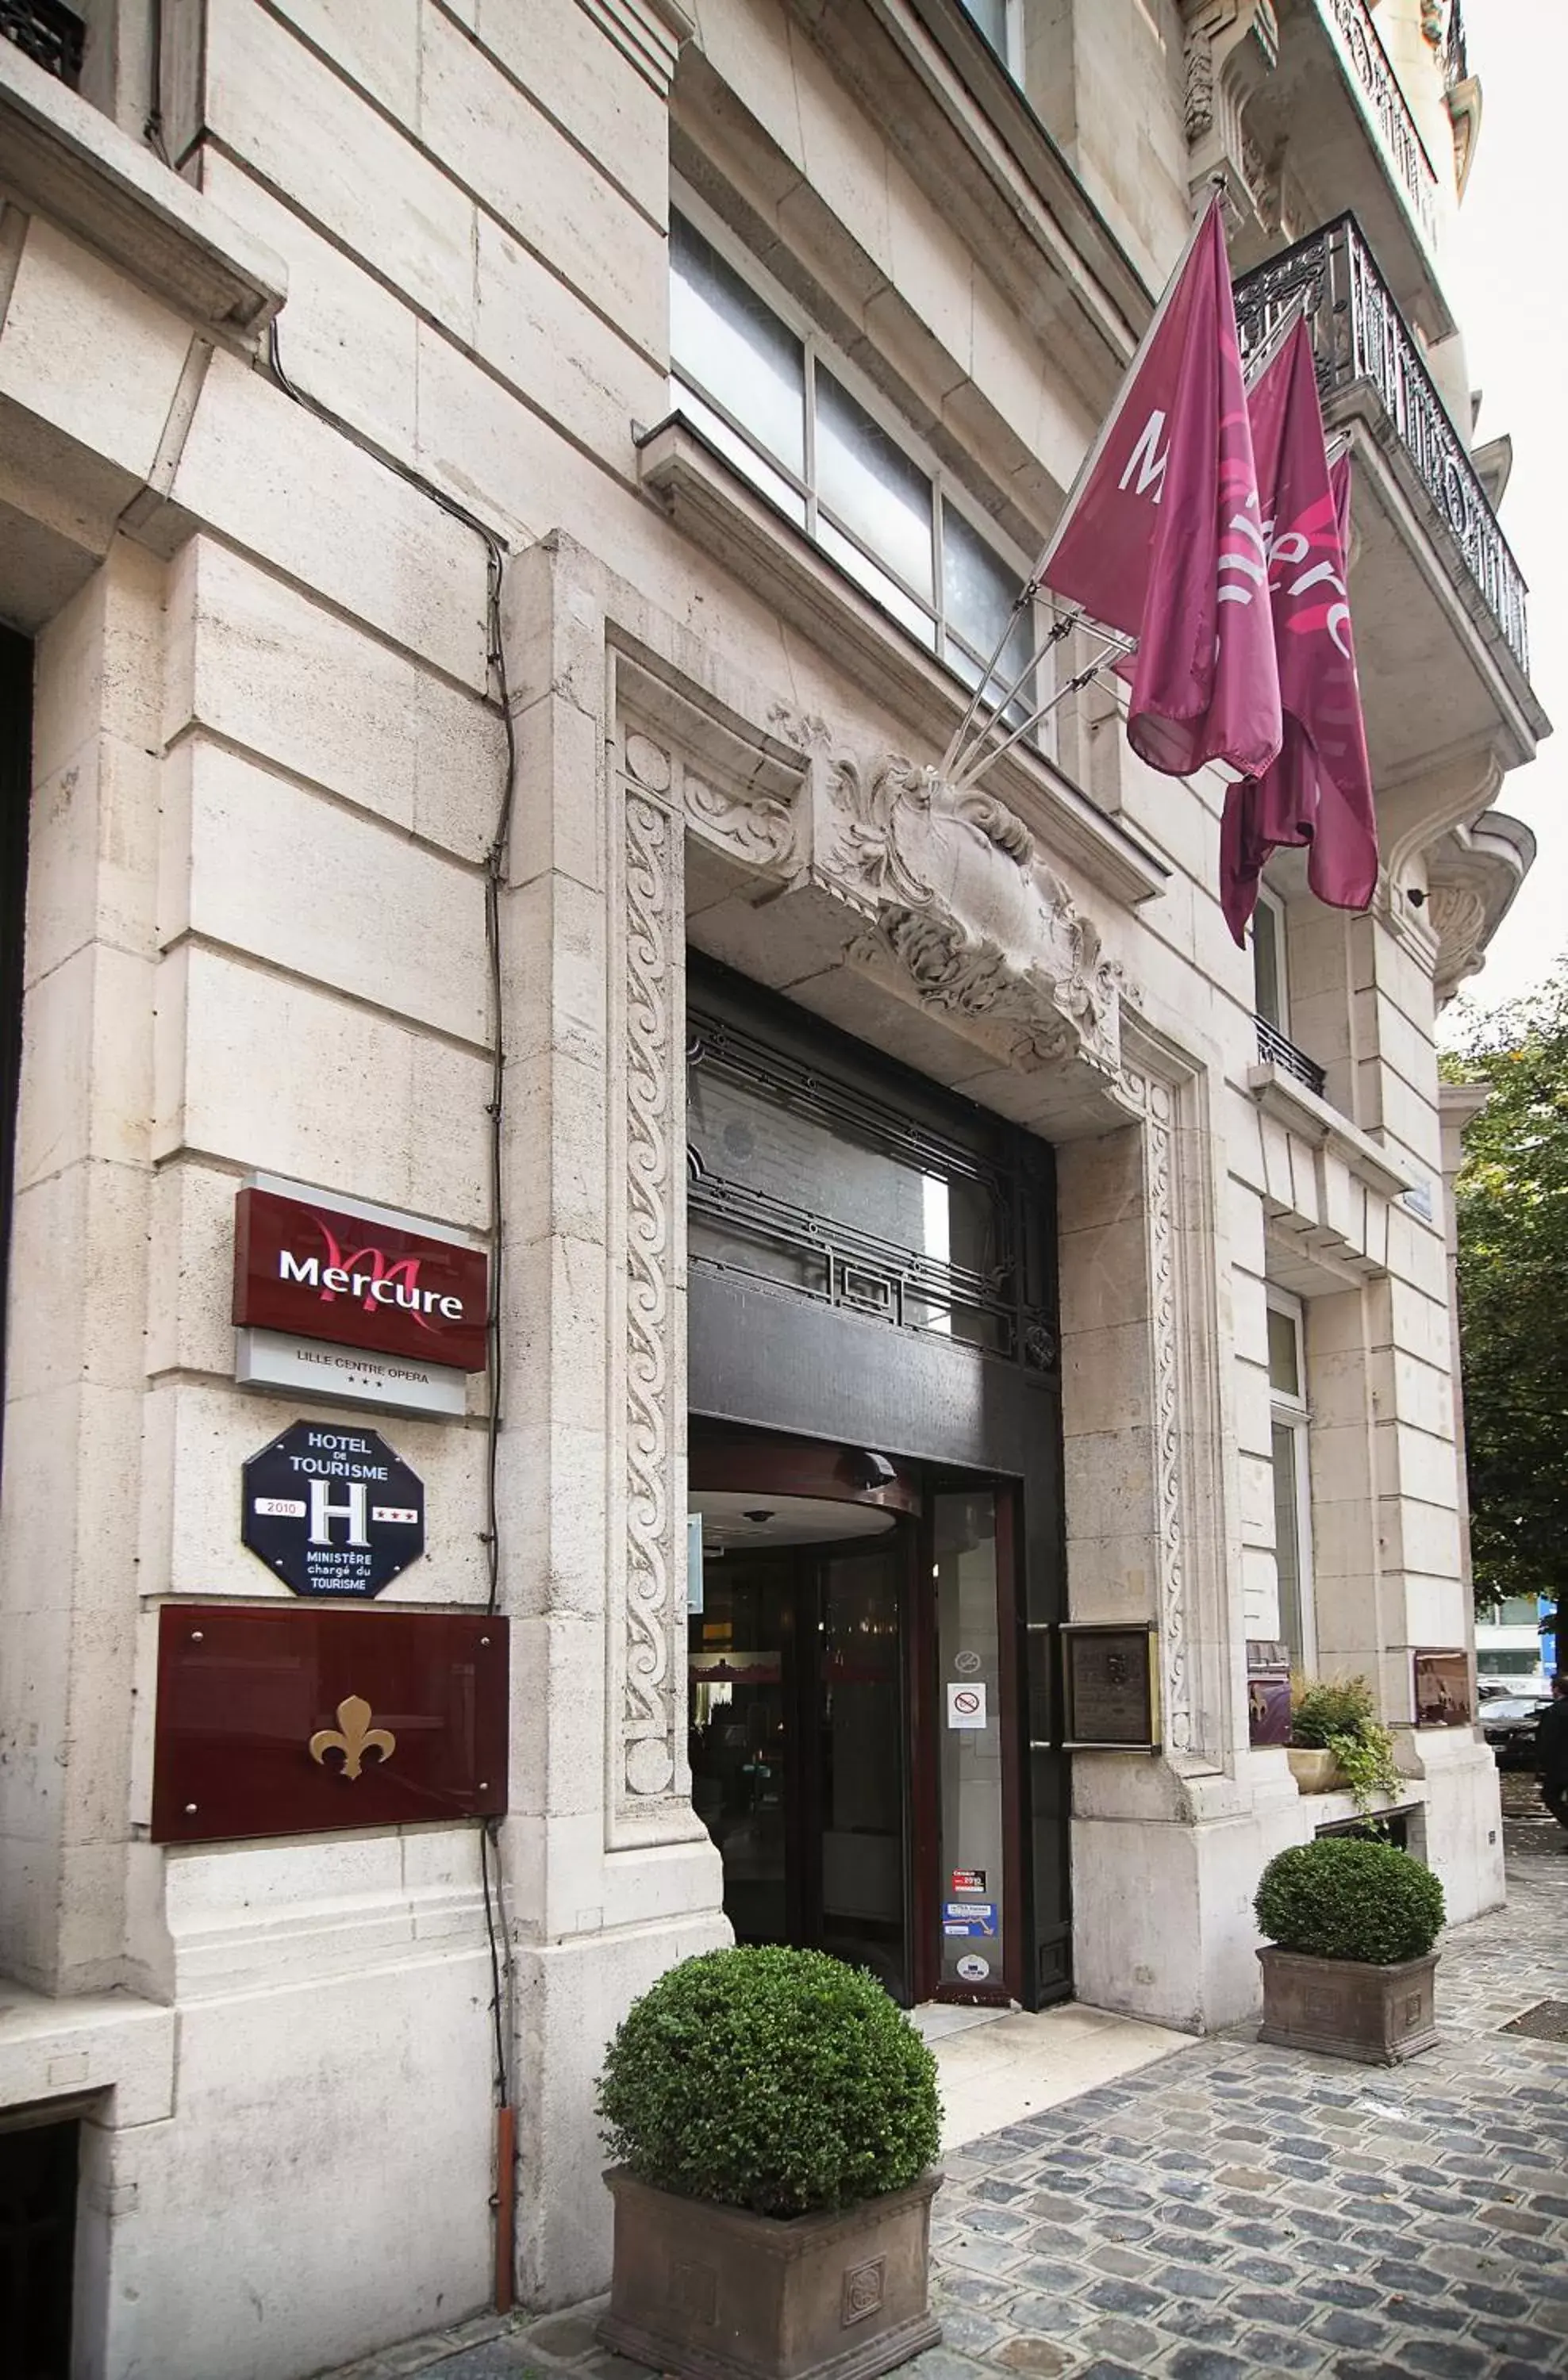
1381,2015
1315,1771
713,2293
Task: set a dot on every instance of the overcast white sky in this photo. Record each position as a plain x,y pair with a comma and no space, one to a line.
1509,285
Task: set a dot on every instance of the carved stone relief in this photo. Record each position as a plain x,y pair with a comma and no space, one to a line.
963,910
650,1703
1231,45
1154,1102
948,900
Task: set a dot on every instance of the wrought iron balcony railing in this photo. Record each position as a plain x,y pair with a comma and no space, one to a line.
1361,339
52,36
1455,56
1275,1050
1362,44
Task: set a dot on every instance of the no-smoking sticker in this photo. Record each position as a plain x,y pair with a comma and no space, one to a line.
965,1706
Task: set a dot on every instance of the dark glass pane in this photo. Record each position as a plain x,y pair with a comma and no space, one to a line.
810,1165
974,1915
863,1798
740,1677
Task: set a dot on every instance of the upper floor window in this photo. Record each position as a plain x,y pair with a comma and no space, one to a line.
1270,995
1293,1495
762,384
998,20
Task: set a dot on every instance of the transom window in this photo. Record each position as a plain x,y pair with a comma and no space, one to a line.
805,1180
768,394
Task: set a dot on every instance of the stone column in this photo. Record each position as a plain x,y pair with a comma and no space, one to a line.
75,1356
611,1876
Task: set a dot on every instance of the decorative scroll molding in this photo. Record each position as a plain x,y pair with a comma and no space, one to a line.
739,815
650,1706
944,897
1154,1102
1231,46
1472,877
964,911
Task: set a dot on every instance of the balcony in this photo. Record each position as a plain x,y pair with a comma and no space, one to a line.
1440,671
1330,126
52,36
1273,1050
1361,45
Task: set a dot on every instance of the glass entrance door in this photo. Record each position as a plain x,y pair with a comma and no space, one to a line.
799,1757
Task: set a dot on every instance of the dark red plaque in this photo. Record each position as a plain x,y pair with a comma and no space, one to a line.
292,1720
304,1267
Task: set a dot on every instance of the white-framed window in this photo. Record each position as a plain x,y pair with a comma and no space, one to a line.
1289,1423
1270,991
1001,23
755,376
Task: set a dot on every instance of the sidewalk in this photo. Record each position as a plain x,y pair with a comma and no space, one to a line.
1240,2213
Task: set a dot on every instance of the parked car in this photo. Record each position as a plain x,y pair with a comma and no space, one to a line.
1509,1724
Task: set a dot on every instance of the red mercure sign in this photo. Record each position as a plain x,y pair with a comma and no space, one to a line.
306,1268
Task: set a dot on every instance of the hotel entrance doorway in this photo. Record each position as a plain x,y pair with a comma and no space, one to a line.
876,1460
854,1709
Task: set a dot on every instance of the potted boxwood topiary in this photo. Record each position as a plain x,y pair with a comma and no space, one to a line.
1350,1964
1337,1739
776,2118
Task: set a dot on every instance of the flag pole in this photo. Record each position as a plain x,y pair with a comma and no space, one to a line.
1037,577
1021,602
1270,351
980,761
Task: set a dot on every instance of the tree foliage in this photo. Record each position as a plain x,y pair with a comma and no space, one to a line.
1512,1197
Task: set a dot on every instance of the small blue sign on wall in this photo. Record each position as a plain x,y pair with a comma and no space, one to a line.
973,1919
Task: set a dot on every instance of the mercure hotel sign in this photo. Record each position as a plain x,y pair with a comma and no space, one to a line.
316,1272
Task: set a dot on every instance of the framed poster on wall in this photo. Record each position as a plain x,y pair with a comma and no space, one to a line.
1442,1689
1110,1686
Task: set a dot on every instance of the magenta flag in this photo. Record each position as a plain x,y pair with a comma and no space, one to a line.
1319,790
1165,540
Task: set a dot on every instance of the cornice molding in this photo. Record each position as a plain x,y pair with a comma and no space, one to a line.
982,156
60,158
1312,1119
1473,875
652,33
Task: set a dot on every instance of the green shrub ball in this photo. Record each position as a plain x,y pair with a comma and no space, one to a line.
1342,1899
780,2080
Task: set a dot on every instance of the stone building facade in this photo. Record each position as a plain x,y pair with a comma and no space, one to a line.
497,495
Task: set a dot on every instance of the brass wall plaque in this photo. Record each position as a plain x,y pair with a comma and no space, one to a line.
1110,1683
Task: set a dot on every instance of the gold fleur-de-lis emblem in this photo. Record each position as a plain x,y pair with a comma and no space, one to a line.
352,1736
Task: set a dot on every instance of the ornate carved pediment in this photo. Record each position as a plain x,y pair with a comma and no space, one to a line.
945,897
1472,877
964,909
1231,45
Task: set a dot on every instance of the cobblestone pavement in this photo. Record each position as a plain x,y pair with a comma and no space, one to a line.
1244,2212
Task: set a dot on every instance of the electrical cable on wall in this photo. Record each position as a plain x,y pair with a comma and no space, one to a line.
498,1934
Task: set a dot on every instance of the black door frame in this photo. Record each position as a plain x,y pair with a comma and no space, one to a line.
15,788
916,1395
